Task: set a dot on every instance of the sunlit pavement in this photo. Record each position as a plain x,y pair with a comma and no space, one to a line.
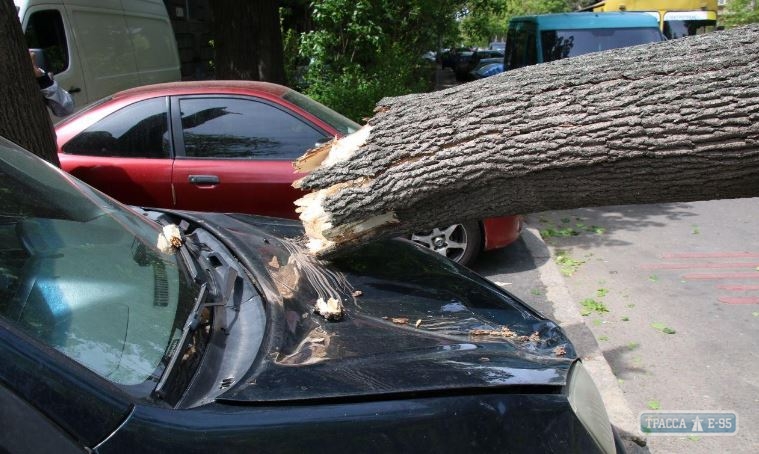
671,297
680,283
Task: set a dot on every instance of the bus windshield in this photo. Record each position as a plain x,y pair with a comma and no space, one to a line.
558,44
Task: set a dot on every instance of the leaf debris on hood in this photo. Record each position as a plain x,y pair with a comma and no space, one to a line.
331,309
503,332
274,262
169,239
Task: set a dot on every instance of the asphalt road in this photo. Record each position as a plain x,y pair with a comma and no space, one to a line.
671,297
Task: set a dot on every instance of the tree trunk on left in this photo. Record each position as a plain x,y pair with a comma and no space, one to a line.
23,116
248,40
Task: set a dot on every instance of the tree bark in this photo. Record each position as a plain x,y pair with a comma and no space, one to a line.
23,116
672,121
247,40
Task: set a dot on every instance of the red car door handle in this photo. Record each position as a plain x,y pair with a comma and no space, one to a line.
203,179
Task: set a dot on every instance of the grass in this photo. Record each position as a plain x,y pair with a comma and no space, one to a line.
567,265
558,232
565,229
589,305
663,328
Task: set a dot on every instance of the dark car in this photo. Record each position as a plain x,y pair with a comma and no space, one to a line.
448,57
131,330
224,146
469,61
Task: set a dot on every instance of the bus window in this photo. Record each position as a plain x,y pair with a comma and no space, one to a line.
678,24
558,44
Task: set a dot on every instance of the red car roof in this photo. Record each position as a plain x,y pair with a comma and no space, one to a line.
205,85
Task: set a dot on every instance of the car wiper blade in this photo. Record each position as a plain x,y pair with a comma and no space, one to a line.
190,263
192,324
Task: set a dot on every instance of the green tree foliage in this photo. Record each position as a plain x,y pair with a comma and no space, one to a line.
349,54
740,12
363,50
483,20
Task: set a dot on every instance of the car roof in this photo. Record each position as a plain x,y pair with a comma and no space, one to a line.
583,20
204,86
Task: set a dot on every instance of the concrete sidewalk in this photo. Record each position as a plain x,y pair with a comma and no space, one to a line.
567,314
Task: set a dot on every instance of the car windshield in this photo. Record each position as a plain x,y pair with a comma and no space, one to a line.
322,112
558,44
81,273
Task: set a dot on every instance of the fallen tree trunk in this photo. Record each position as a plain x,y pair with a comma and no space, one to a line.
672,121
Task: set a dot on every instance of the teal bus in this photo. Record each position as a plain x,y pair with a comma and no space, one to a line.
548,37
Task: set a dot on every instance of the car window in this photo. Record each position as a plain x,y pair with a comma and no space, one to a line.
81,273
244,129
139,130
324,113
45,31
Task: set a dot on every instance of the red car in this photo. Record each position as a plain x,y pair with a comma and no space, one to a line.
223,146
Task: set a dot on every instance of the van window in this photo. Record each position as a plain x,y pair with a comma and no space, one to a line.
558,44
521,46
45,31
136,131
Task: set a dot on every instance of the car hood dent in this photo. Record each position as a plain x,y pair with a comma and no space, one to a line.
412,322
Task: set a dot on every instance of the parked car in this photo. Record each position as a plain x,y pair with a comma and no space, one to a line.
223,146
490,69
497,45
484,62
448,57
467,61
213,341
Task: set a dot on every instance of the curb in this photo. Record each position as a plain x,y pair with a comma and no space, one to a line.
567,315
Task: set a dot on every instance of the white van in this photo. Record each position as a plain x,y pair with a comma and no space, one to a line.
98,47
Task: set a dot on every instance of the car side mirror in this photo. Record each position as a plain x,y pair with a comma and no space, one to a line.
322,141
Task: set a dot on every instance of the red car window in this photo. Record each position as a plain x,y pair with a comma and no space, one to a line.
217,127
139,130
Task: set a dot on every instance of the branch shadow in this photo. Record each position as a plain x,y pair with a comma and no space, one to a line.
586,228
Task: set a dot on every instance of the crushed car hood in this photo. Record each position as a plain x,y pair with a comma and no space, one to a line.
412,322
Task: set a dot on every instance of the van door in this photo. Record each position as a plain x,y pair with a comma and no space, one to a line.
47,27
101,34
153,41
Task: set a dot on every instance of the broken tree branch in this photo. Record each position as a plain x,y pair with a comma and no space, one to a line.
666,122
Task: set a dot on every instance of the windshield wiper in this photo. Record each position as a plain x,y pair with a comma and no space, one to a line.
192,324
